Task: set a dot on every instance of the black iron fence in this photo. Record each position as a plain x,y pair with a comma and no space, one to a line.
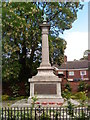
61,113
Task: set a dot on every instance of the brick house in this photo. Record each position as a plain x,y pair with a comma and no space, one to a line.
74,72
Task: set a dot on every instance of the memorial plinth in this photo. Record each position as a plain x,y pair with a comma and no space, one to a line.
45,84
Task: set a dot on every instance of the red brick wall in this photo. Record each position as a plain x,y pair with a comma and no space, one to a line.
65,58
74,85
88,56
76,74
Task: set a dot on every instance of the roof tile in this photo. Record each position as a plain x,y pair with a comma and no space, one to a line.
75,64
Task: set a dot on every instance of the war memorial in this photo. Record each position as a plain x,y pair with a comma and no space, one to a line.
45,84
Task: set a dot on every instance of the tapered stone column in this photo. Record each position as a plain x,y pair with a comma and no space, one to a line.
45,45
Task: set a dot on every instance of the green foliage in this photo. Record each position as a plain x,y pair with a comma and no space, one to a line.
15,90
82,97
66,94
88,90
82,86
20,35
82,115
68,87
45,116
17,98
5,97
57,47
11,70
85,55
34,99
70,108
73,96
27,88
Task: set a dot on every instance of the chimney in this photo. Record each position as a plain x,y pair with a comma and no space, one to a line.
88,56
65,58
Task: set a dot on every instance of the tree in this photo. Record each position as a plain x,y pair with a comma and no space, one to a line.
19,43
61,15
57,47
21,36
85,55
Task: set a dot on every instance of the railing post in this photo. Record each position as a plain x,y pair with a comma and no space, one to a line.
53,113
50,112
5,113
43,113
60,112
79,112
27,114
2,114
31,113
35,114
14,112
8,112
11,113
56,116
21,112
63,113
40,113
66,113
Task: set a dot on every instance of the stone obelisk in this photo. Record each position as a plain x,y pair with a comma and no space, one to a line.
45,84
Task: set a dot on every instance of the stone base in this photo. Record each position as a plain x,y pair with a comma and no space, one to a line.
47,100
55,102
46,85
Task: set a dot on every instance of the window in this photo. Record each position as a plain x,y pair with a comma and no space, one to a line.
71,73
60,72
82,72
70,79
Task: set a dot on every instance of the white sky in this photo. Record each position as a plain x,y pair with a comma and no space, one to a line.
77,36
77,43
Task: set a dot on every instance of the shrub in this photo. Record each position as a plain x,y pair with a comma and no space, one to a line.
82,86
15,90
66,94
5,97
82,97
68,87
34,99
70,108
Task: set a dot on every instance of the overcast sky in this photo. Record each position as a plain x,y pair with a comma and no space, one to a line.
77,37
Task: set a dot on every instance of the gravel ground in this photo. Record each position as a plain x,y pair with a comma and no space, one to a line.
7,103
10,102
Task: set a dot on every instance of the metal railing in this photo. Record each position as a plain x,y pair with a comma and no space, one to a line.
51,113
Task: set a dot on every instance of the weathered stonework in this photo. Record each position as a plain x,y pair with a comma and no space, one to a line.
45,84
